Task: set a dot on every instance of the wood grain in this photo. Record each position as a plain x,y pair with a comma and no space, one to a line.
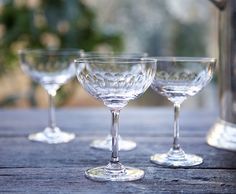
30,167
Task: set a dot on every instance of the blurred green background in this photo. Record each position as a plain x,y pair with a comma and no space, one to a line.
180,27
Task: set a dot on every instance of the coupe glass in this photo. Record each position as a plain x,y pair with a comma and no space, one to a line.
177,78
51,69
106,143
115,81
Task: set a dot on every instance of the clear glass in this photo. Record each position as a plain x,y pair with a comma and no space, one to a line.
115,81
51,69
178,78
106,143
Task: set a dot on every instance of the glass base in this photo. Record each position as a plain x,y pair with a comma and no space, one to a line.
222,135
114,172
176,158
50,136
106,144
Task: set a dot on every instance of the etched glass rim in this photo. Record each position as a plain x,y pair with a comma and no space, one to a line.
117,60
115,54
60,51
185,59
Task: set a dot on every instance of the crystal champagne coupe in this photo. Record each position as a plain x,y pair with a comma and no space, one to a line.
115,81
51,69
178,78
106,143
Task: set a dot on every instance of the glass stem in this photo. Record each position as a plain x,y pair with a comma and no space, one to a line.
176,145
52,120
114,134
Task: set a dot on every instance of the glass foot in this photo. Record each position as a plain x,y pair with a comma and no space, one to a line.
106,144
50,136
176,158
114,172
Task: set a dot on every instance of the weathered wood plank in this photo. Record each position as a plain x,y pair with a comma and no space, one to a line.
68,180
19,152
97,121
29,167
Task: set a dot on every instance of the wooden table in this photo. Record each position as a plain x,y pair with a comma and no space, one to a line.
30,167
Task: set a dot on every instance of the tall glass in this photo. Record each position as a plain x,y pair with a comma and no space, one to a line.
115,81
106,143
178,78
51,69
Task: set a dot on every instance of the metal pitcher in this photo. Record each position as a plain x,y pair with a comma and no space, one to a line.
223,132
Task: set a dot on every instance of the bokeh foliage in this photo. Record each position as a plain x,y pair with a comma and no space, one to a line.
49,24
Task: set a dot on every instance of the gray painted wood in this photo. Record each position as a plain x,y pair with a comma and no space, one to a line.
29,167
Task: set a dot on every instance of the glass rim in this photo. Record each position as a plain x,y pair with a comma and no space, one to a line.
118,60
105,57
95,53
50,51
185,59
